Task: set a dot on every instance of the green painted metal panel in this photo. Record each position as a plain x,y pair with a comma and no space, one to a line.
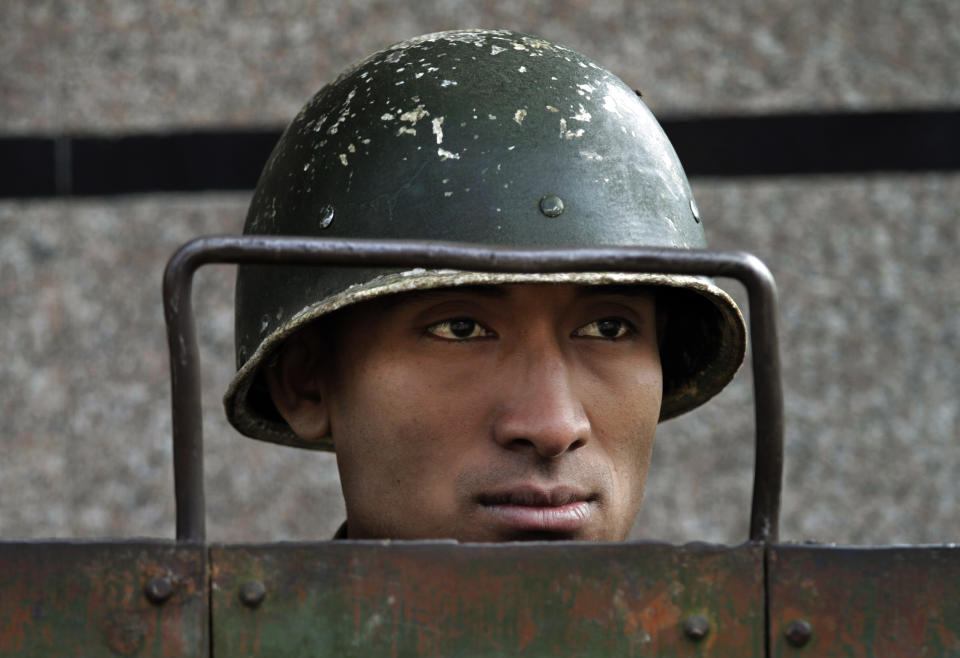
88,599
864,602
444,599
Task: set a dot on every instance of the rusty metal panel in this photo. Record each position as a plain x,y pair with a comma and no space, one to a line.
443,599
136,598
828,601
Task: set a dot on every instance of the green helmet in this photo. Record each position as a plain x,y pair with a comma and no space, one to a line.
479,136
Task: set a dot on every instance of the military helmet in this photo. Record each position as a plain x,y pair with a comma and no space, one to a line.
477,136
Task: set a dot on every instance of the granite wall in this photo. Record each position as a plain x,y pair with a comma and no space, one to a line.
867,267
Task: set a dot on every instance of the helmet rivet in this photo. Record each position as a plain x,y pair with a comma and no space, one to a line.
551,205
326,216
695,210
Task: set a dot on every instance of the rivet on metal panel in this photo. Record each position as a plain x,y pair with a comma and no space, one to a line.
696,627
551,206
252,593
798,632
159,589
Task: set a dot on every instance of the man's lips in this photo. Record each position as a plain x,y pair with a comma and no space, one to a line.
532,509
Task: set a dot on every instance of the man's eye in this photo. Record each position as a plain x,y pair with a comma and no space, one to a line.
458,329
609,328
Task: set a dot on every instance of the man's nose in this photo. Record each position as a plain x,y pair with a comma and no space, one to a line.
540,410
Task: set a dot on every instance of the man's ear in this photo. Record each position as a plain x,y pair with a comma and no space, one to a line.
296,386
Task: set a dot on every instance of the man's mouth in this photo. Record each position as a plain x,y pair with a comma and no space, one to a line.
526,509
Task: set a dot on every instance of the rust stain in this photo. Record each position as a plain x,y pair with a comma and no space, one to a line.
430,599
526,628
13,632
124,633
866,602
657,615
76,598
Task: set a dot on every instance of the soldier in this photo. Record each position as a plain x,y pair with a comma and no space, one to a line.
468,405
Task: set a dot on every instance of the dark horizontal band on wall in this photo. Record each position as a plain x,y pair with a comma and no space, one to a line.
769,145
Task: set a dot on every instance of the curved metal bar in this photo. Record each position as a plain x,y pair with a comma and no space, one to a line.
185,391
185,360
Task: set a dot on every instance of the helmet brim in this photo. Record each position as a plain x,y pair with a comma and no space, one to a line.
703,347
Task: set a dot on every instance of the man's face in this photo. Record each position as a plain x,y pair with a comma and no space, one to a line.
495,413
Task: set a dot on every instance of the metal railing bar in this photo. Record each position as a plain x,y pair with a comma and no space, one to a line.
185,359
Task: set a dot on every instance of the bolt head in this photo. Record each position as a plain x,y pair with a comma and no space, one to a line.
252,593
159,589
798,632
551,205
696,627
